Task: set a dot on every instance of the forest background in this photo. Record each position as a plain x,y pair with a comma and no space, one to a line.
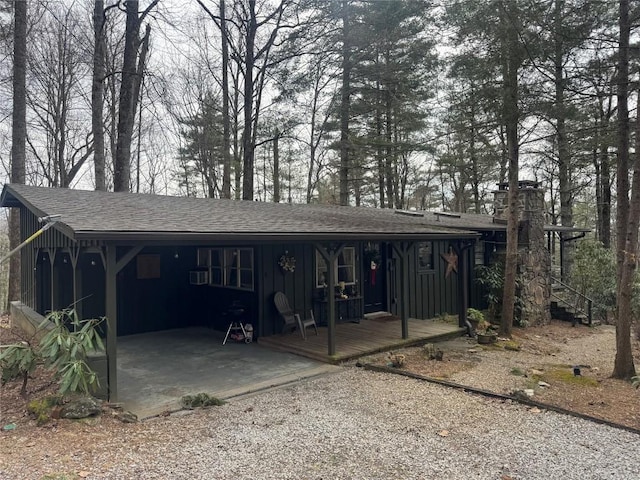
408,104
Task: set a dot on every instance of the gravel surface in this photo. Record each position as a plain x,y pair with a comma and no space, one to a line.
353,424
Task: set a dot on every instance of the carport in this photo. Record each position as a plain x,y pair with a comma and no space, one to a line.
156,369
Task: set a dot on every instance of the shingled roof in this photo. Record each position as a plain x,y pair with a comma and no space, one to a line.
89,215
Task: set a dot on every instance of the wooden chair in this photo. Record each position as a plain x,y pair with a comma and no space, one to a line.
292,320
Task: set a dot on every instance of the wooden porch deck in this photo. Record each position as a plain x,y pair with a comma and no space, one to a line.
358,339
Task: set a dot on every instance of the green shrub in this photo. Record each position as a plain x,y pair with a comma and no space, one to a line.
491,278
41,408
200,400
475,315
64,349
594,274
18,361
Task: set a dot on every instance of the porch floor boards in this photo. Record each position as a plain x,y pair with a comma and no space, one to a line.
358,339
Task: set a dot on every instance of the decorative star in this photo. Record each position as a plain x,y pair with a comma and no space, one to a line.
452,262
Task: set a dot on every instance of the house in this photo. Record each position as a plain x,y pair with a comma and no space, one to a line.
149,262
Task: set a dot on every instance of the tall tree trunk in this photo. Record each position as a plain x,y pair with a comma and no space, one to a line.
605,182
122,167
18,136
603,172
247,136
475,175
129,89
622,184
379,150
511,63
627,228
389,174
226,124
97,95
276,169
564,161
345,105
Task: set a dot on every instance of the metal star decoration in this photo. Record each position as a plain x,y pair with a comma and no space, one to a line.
452,262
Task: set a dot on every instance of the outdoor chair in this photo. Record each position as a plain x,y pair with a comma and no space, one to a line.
292,320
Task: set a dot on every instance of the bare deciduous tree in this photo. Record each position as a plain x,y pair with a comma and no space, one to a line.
135,50
18,135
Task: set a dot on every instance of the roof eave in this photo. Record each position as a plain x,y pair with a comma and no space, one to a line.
192,237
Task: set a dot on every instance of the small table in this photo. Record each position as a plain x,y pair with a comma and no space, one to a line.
346,310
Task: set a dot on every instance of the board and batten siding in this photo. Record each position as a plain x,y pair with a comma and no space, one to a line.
431,294
298,286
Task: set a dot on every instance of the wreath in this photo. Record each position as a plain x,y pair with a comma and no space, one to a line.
287,262
372,256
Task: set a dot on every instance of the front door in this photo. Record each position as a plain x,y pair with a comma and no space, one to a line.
374,282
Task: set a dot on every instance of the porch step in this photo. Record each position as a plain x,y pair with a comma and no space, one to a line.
567,314
381,317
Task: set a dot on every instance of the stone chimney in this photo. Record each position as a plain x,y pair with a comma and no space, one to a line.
534,259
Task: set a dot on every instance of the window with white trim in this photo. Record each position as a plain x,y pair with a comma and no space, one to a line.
345,270
231,268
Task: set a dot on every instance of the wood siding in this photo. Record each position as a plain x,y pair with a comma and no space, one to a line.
170,301
431,293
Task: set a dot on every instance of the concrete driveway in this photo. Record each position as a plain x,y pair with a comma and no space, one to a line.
156,369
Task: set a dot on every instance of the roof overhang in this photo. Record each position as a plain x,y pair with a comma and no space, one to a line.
129,238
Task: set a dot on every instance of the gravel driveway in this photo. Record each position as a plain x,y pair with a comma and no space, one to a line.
353,424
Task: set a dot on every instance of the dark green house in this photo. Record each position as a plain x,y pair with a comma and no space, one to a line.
149,262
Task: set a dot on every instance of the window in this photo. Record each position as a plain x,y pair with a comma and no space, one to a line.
425,256
231,267
345,269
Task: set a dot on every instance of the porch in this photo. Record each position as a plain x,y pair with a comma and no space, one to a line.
357,339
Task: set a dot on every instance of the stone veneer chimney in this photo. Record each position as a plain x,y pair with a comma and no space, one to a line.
534,259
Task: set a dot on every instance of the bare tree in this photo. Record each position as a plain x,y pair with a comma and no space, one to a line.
512,59
135,50
18,134
60,141
345,101
97,94
628,213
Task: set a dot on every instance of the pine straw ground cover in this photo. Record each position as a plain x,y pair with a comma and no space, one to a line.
539,358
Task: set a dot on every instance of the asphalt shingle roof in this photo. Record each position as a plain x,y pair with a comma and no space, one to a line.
91,214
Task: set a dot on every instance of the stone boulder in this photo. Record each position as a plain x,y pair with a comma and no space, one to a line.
81,407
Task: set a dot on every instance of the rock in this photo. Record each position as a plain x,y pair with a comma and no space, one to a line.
127,417
543,384
528,392
474,350
81,407
533,371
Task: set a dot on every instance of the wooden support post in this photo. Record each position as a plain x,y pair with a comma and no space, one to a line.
402,250
112,266
462,249
330,256
53,287
74,253
112,322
